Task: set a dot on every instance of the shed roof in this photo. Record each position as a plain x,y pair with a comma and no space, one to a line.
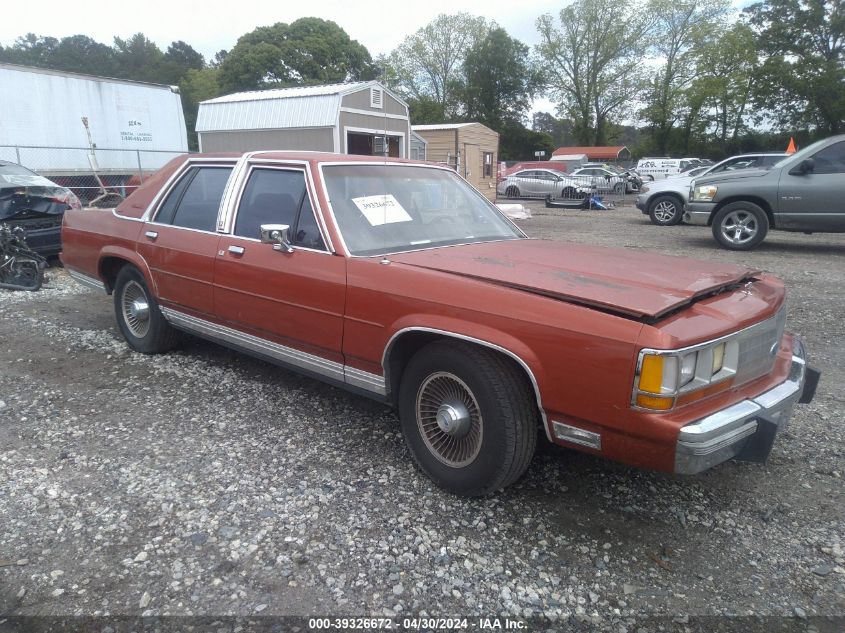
595,153
296,107
441,126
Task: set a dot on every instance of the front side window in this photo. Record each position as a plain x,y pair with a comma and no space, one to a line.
194,201
392,208
278,196
830,160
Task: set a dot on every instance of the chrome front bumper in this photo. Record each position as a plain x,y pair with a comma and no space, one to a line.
746,430
698,213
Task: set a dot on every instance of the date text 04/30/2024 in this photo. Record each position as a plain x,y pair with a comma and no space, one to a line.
416,624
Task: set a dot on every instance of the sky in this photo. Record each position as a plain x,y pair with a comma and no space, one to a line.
212,25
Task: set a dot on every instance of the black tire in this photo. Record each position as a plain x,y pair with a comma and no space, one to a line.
507,417
512,192
665,211
740,226
151,334
619,188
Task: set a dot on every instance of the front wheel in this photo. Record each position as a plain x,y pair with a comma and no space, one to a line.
740,226
512,192
138,316
665,211
468,416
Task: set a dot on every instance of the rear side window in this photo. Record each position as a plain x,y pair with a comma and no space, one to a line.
195,200
278,196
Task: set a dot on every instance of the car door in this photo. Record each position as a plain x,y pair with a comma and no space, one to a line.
294,299
546,182
179,244
814,200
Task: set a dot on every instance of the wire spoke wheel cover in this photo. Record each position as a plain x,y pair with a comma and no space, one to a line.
449,419
135,307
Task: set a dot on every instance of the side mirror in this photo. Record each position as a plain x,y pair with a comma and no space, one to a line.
278,235
804,167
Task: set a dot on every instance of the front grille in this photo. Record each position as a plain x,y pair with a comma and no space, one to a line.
758,346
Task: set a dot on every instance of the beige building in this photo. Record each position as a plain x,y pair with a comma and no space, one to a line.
471,148
353,118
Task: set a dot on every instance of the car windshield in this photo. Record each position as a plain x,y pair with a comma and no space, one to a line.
392,208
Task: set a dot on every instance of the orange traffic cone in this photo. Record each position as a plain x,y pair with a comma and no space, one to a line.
791,149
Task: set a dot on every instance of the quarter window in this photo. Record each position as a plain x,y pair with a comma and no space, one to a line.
195,200
278,196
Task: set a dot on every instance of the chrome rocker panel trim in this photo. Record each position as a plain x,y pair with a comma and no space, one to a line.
317,365
85,280
724,434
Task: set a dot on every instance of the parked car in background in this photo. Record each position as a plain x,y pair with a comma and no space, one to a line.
541,183
659,168
35,204
399,281
802,192
606,180
663,201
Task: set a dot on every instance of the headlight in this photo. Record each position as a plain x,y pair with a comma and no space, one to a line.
704,193
668,378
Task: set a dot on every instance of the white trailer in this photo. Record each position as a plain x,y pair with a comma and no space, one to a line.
134,126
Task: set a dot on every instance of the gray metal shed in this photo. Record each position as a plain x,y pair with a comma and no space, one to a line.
352,118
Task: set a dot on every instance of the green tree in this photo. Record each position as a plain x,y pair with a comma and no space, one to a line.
517,142
802,79
593,61
680,29
429,64
138,58
31,50
307,51
197,85
500,80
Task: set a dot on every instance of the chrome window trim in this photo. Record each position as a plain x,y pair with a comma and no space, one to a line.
230,217
290,356
155,206
692,348
391,164
470,339
152,208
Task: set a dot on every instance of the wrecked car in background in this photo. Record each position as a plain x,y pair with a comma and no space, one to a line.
398,280
36,205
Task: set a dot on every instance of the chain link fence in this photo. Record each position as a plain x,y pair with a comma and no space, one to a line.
98,175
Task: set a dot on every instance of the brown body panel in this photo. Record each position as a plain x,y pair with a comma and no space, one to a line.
575,317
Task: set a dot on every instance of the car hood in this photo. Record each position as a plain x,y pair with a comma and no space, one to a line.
731,175
644,286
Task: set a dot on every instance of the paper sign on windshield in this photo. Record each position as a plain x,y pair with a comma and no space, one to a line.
380,210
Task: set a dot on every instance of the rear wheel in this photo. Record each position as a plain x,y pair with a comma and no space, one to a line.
740,226
665,211
468,416
512,192
138,316
619,188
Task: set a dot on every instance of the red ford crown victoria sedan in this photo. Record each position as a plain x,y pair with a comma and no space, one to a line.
398,280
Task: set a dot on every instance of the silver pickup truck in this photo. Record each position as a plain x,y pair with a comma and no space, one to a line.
804,192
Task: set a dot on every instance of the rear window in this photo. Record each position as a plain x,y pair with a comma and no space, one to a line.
11,169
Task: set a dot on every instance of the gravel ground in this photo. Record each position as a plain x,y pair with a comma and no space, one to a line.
208,483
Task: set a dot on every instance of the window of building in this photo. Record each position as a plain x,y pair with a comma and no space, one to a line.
488,164
376,98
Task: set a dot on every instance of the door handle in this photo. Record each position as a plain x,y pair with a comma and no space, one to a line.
237,250
151,235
